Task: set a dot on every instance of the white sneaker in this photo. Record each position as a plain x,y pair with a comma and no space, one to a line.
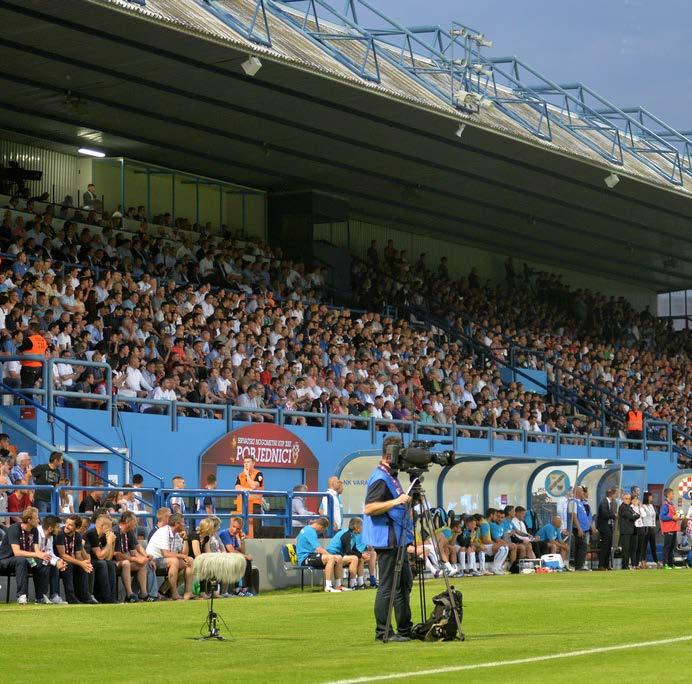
22,600
57,599
343,588
475,573
452,573
498,572
332,590
44,600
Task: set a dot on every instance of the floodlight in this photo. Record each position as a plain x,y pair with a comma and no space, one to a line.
487,103
611,180
251,65
482,40
458,32
91,153
482,70
460,131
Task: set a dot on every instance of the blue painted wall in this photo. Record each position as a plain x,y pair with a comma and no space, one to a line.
153,444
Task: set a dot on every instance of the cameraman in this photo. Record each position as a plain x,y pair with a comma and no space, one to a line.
386,521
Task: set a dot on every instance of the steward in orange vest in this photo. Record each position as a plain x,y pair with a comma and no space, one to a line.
250,480
635,424
36,345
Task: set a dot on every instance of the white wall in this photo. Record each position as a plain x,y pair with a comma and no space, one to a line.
60,171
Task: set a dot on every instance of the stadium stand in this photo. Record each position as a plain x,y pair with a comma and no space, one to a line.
143,311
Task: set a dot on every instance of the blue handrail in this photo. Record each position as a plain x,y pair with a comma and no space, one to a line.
69,425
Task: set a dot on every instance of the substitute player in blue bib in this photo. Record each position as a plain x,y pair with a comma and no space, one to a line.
348,544
386,525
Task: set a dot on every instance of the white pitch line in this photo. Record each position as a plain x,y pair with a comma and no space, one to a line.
519,661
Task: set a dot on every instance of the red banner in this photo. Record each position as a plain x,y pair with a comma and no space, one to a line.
270,445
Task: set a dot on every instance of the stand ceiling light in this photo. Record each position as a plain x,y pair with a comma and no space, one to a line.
611,180
91,153
251,65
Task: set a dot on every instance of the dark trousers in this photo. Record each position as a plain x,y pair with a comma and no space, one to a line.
54,580
29,375
43,506
581,546
605,545
386,563
650,541
640,542
76,583
628,544
669,540
105,587
22,570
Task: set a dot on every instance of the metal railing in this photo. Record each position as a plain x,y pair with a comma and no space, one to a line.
161,497
232,414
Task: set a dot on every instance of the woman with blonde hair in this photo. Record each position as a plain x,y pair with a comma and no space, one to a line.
206,540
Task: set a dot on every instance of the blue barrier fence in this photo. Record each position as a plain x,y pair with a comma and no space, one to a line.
154,498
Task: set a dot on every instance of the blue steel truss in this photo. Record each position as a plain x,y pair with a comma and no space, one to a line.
681,140
642,143
450,64
353,47
256,29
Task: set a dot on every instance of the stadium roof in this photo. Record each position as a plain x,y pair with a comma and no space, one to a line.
164,84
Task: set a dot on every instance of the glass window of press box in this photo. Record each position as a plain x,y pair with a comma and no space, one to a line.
174,198
678,307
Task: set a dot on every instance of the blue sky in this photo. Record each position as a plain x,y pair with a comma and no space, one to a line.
633,52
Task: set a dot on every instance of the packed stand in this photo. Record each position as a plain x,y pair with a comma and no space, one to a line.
580,334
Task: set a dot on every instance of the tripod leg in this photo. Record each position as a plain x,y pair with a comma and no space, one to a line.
426,519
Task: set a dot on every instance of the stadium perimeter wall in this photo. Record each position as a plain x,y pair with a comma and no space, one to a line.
311,457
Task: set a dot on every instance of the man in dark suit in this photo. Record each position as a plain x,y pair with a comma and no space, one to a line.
607,515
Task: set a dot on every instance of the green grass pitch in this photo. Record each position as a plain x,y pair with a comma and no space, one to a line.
316,637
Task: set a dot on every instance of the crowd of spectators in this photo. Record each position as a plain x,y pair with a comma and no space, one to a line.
592,341
226,321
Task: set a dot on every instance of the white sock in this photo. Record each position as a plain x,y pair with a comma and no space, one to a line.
337,581
481,560
462,562
430,566
360,580
352,583
471,558
327,584
449,567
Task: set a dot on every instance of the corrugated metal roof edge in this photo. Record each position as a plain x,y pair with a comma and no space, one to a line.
368,86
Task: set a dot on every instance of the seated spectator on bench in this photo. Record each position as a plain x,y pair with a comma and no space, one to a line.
206,540
233,540
21,554
100,541
91,502
520,535
70,547
162,516
49,527
21,472
168,547
311,554
298,507
550,538
129,557
19,500
344,544
497,548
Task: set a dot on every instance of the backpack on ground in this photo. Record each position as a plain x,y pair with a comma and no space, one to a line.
442,624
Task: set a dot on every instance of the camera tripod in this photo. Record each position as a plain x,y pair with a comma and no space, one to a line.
418,498
211,624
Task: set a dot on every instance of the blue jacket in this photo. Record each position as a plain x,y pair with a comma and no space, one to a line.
583,518
376,527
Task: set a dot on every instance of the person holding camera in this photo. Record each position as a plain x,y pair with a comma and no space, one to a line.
387,524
